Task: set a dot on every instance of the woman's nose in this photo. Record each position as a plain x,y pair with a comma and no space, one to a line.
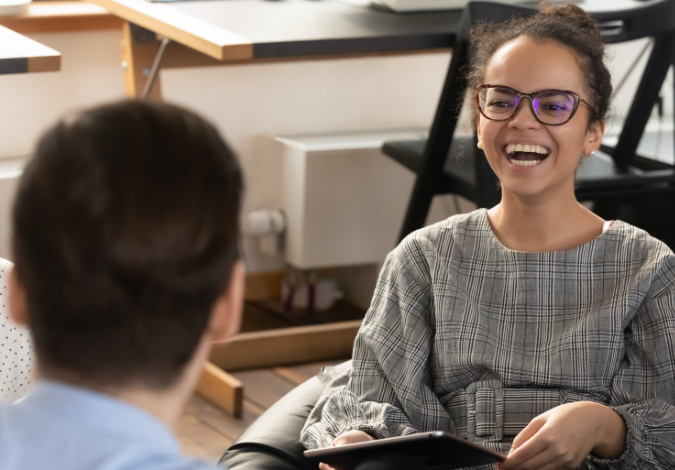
524,117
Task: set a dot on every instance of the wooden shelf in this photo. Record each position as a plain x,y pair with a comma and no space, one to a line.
296,345
56,16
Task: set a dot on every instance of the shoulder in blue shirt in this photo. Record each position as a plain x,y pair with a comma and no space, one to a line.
59,426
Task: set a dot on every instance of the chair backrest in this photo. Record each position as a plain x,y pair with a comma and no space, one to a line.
628,20
631,20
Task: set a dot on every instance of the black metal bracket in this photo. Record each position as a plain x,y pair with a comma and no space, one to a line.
140,35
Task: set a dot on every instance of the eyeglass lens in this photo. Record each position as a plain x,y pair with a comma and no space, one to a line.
550,107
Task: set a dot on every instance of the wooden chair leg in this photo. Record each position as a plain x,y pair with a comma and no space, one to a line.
221,389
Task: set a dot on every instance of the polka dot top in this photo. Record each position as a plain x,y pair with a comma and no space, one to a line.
17,357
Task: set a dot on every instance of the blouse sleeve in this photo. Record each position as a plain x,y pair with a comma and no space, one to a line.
17,358
388,391
643,391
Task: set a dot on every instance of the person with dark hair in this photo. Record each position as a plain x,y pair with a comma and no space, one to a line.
534,328
127,269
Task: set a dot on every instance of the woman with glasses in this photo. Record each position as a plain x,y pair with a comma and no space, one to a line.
534,328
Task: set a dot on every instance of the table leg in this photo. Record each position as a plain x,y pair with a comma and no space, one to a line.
139,49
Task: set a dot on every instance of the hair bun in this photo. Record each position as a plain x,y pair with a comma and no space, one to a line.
572,14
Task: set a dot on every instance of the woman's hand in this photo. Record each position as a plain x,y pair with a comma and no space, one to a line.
350,437
562,437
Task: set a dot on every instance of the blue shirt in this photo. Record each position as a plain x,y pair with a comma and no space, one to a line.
61,427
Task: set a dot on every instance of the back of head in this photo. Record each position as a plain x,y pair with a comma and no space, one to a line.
125,234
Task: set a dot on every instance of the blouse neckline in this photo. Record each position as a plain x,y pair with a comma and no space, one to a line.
486,223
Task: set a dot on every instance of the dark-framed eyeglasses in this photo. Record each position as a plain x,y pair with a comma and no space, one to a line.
550,107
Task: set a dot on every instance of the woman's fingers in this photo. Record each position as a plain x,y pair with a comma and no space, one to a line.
543,462
562,437
352,437
517,458
349,437
529,431
558,466
525,446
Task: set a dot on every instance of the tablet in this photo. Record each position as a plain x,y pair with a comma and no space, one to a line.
440,448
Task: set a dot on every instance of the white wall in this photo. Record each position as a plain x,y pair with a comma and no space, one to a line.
90,73
249,103
253,103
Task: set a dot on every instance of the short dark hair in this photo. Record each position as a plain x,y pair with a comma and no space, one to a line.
567,25
126,227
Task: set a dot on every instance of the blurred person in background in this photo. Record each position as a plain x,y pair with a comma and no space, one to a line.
17,356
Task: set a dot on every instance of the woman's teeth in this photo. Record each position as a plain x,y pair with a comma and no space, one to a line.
512,149
525,162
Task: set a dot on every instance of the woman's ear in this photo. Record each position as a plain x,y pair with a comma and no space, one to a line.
226,313
18,309
594,136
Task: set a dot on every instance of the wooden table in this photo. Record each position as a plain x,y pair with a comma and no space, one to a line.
236,31
61,16
19,54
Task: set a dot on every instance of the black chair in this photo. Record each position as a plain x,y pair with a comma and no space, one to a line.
447,165
272,442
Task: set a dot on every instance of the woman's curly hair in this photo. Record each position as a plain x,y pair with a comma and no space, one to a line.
567,25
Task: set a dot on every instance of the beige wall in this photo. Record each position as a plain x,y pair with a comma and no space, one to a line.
253,103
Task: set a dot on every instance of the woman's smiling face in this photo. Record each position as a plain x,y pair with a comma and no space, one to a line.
528,66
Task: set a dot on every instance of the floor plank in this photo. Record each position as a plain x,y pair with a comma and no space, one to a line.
263,387
214,417
302,373
199,440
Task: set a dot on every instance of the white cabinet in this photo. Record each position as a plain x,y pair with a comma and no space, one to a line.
344,200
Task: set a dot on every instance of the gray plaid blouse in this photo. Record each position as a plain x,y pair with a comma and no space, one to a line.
468,336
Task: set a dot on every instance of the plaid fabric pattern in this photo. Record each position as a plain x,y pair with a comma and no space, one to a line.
467,336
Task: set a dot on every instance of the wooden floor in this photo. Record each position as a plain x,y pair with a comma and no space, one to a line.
206,432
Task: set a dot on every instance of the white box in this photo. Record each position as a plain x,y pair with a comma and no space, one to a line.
344,200
419,5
